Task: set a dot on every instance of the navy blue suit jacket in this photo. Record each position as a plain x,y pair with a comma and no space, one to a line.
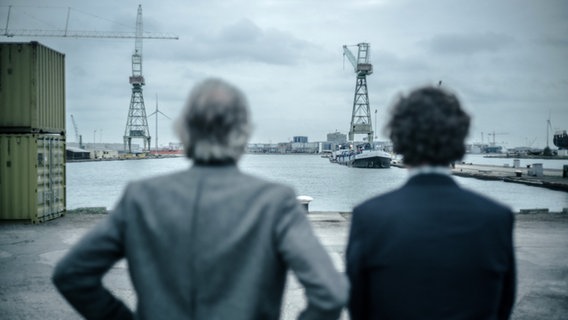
431,250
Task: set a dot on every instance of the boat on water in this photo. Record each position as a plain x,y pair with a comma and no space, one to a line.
362,157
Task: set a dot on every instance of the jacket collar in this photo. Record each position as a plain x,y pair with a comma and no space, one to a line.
431,179
428,170
214,169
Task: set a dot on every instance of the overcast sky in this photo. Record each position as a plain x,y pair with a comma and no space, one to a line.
506,60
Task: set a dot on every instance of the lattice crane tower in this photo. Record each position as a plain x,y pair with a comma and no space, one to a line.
137,121
361,115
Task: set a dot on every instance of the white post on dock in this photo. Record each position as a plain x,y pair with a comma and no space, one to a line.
305,201
536,170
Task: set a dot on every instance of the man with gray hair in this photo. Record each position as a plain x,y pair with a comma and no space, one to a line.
207,243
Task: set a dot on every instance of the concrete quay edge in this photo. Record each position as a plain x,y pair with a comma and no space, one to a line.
551,179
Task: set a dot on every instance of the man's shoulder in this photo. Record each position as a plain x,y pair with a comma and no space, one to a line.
483,201
389,196
403,197
262,186
480,207
374,206
159,181
246,180
234,179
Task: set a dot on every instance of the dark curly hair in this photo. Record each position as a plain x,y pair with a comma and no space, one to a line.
428,127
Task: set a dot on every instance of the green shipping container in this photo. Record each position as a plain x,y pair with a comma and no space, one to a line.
32,89
32,177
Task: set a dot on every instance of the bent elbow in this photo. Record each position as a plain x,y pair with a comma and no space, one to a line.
60,276
336,296
65,279
342,291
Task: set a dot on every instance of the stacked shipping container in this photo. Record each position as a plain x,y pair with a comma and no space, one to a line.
32,132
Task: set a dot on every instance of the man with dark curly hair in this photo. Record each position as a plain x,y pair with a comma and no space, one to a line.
430,250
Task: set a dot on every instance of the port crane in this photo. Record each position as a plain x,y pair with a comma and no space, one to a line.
493,134
137,122
361,114
78,137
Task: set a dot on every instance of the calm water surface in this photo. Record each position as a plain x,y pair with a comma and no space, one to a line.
333,187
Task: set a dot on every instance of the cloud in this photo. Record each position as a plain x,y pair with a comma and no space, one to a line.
245,41
465,44
242,41
243,32
554,41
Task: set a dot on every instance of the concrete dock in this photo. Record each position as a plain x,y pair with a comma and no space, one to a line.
550,178
29,252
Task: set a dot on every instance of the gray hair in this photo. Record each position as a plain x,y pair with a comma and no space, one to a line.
214,125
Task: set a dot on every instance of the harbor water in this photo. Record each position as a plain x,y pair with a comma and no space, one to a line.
333,187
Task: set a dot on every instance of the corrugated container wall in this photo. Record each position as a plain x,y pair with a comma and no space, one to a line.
32,89
32,177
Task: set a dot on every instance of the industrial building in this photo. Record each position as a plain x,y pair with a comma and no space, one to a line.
337,137
77,154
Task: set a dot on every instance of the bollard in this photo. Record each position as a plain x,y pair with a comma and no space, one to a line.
565,171
305,201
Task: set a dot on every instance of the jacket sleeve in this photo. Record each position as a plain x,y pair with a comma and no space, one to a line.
326,289
509,281
355,271
78,276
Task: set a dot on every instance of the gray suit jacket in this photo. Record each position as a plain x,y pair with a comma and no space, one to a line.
206,243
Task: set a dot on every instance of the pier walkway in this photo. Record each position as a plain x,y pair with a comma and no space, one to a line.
29,252
551,178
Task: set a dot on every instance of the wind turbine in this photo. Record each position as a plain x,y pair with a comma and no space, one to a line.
156,112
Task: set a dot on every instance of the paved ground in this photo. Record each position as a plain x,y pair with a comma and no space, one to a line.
28,253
